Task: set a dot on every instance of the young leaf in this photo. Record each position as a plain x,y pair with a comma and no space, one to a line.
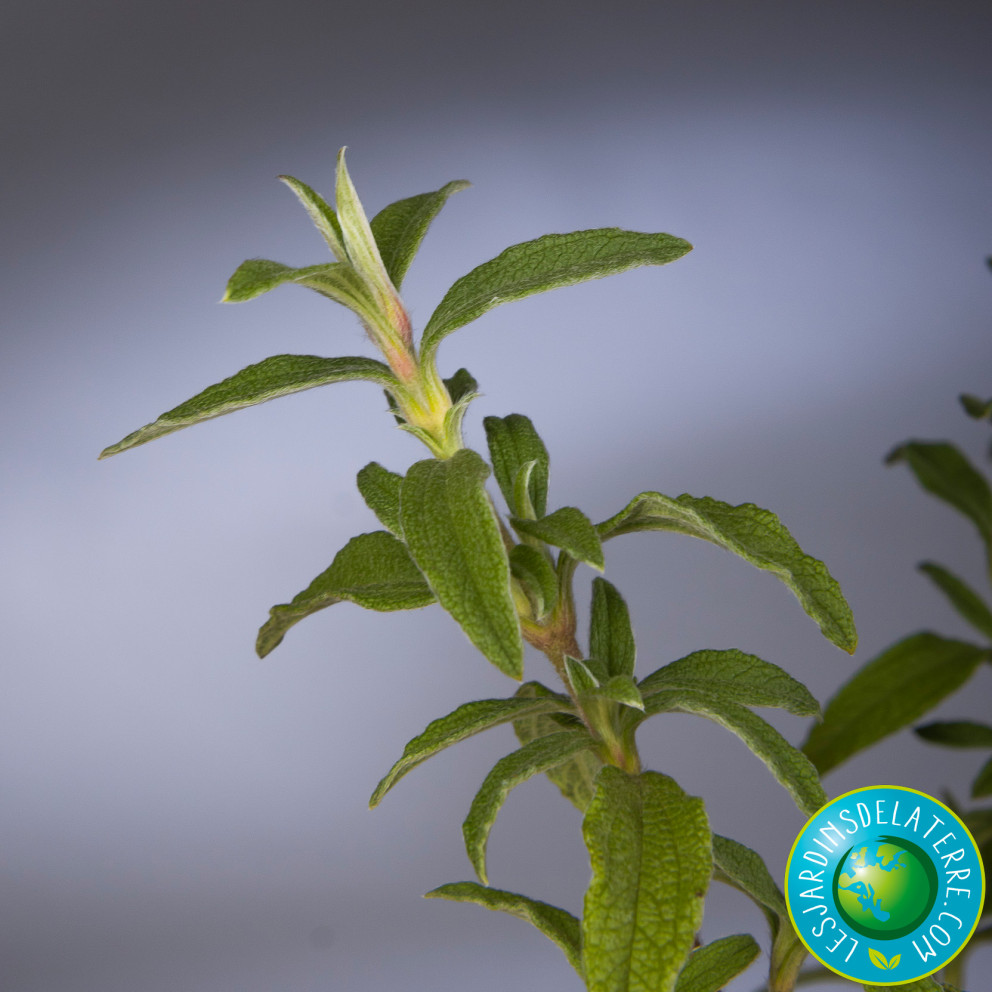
757,536
942,470
611,638
736,676
323,217
580,677
513,443
451,530
568,529
356,232
649,844
266,380
791,767
460,385
546,263
373,570
621,689
556,924
982,786
711,966
899,686
539,755
962,597
574,778
739,866
976,407
471,718
957,733
399,228
380,489
532,568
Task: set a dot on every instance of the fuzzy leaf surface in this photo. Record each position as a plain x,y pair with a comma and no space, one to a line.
946,473
400,228
277,376
537,756
962,597
621,689
569,529
957,733
744,869
373,570
380,489
711,966
649,845
574,778
461,385
611,637
893,690
545,263
757,536
320,212
469,719
556,924
735,676
356,232
791,767
513,443
451,530
530,567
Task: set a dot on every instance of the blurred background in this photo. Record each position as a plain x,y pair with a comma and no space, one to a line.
177,814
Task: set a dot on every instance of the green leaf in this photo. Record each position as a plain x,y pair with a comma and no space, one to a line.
982,786
789,766
962,597
957,733
921,985
580,677
451,530
266,380
905,681
737,865
539,755
460,385
357,234
611,638
569,529
711,966
546,263
532,569
975,406
574,778
513,443
399,228
757,536
556,924
944,471
736,676
373,570
471,718
621,689
649,845
380,489
323,217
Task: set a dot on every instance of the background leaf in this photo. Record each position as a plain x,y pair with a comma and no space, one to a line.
545,263
399,228
757,536
982,786
737,677
611,638
649,845
451,530
574,778
569,529
539,755
711,966
279,375
373,570
556,924
957,733
962,597
944,471
905,681
513,443
469,719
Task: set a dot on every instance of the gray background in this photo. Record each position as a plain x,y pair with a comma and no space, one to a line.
178,815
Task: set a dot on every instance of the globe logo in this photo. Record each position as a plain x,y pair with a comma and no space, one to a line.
885,888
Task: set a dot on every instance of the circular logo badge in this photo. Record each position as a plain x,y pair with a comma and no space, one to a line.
884,885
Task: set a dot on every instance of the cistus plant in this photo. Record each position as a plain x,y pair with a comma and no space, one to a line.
505,574
911,677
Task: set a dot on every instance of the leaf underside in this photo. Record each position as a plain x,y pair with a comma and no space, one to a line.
711,966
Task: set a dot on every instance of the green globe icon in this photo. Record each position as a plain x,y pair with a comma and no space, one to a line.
885,887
